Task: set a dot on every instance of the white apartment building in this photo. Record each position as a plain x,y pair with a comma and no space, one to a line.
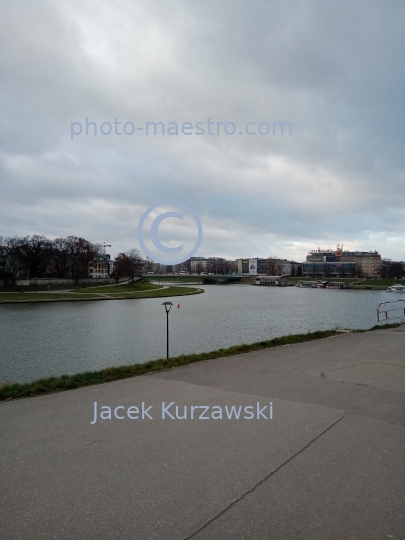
100,266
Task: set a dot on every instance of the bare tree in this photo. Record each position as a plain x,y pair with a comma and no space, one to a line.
278,268
81,252
224,267
147,264
385,267
326,270
128,264
359,271
14,257
60,257
3,259
35,255
396,270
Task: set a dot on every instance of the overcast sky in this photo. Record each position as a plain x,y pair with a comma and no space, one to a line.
333,70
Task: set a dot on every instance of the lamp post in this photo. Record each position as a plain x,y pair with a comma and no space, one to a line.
168,306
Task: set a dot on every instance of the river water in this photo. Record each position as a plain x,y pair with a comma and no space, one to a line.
40,340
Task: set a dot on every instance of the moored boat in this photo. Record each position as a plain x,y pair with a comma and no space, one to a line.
396,288
336,285
307,284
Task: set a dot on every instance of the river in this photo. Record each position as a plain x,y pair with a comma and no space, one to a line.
40,340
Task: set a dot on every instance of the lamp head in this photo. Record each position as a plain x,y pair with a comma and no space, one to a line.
167,305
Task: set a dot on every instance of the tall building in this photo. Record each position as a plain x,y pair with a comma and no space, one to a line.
369,262
243,266
335,263
257,266
254,267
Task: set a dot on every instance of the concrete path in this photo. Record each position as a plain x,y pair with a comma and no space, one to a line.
329,465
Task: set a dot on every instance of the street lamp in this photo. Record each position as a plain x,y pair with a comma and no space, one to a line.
168,306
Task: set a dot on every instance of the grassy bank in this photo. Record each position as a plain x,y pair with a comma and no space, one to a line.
34,287
377,284
121,288
68,382
51,385
11,298
109,292
343,280
174,279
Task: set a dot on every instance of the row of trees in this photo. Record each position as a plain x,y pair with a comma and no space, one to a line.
391,269
37,256
296,270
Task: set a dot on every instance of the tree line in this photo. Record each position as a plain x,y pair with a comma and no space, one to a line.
36,256
390,269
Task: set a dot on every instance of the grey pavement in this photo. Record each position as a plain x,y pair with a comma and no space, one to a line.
328,465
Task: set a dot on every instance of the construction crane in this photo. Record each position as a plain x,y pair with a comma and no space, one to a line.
104,246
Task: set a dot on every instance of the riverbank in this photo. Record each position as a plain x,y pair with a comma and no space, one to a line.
67,382
356,284
109,292
328,464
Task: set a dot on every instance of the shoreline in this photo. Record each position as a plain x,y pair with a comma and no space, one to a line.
55,384
164,292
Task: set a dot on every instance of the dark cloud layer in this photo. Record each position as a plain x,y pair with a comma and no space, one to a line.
334,70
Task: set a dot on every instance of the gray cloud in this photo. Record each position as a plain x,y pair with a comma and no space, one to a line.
334,70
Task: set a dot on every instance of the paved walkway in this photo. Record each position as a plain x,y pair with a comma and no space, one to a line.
329,465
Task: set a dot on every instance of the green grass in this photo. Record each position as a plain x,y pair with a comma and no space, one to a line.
41,296
173,279
158,293
122,288
138,291
68,382
382,282
379,327
192,279
52,287
350,280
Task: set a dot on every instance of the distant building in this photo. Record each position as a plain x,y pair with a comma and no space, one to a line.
253,267
335,263
100,266
369,262
258,266
286,267
243,266
196,265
